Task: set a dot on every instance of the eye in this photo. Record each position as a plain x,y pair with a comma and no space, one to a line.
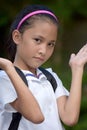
37,40
51,44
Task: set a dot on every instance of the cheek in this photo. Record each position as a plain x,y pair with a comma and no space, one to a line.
30,50
27,47
24,50
49,53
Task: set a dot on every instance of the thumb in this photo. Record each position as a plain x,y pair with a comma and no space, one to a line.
72,55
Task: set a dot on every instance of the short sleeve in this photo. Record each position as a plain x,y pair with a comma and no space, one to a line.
7,92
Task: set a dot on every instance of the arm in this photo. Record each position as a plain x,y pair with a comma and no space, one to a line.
26,104
69,107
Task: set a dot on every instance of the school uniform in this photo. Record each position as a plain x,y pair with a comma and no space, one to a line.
43,92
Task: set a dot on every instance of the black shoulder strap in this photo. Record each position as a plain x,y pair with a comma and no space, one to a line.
50,77
21,74
16,117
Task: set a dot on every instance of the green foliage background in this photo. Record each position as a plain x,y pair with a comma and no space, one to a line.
72,36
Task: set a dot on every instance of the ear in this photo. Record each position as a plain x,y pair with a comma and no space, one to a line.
16,35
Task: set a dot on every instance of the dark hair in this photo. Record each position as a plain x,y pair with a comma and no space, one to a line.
27,23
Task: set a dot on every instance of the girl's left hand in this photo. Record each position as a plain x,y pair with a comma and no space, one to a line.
79,59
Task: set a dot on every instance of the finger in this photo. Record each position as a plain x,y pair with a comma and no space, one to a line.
72,55
84,48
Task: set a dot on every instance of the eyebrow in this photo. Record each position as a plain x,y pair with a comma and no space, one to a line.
39,36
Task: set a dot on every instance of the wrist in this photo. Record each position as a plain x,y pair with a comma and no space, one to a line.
77,73
10,69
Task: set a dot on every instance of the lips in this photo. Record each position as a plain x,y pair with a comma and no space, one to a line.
39,58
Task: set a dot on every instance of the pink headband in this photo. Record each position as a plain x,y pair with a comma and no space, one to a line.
33,13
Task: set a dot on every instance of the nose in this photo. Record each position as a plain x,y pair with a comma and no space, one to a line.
43,49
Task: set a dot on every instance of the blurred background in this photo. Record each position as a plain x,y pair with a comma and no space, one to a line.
72,36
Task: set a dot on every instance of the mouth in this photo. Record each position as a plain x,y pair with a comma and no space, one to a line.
39,59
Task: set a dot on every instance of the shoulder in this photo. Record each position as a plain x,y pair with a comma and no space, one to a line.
3,75
57,78
53,73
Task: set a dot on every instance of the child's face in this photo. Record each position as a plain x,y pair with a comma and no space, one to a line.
36,45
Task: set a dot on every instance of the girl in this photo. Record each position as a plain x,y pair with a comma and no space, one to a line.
32,40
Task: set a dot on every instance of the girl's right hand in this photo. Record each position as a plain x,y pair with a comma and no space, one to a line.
5,64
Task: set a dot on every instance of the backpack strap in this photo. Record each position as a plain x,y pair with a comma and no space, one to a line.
21,74
16,117
50,78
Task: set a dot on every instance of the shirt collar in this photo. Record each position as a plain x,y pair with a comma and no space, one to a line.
30,75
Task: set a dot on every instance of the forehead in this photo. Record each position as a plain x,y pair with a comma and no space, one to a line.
43,17
44,28
42,20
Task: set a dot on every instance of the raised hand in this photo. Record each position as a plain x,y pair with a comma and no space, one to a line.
5,64
79,59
